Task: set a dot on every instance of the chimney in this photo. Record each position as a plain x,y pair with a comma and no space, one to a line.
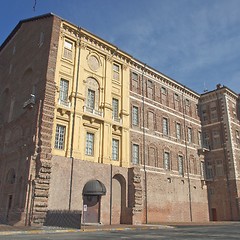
219,86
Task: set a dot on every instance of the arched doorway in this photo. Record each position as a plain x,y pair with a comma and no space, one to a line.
92,192
118,199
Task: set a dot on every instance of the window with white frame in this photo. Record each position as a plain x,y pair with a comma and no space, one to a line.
115,109
63,92
89,144
135,116
178,131
116,71
60,136
91,99
180,165
165,126
166,160
115,149
135,154
189,132
68,49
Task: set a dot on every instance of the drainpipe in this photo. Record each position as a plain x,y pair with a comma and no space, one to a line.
144,144
187,159
110,217
73,125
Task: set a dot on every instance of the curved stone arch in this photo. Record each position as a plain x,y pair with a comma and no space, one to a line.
92,192
119,206
11,176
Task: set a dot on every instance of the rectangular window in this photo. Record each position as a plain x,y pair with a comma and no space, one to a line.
89,144
189,135
166,162
178,131
176,97
135,154
150,89
60,136
237,137
115,149
180,165
116,71
216,139
202,165
115,109
199,139
206,141
135,82
63,93
209,169
219,168
91,99
163,91
165,126
68,49
135,117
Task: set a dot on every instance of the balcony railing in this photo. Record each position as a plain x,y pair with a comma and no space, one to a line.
117,119
93,111
64,103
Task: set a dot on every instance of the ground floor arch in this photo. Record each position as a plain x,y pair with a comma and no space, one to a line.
92,192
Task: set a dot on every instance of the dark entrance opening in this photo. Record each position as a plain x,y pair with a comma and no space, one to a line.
92,192
214,214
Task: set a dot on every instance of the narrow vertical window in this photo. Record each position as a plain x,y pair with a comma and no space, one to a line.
115,149
135,154
91,99
116,71
63,93
41,39
237,137
180,165
178,131
60,136
115,109
199,139
135,82
135,117
165,126
166,161
89,144
189,135
150,89
68,50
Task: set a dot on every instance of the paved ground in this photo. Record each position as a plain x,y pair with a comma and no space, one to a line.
169,231
211,230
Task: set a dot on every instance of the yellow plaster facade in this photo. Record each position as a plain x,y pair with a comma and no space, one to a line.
92,101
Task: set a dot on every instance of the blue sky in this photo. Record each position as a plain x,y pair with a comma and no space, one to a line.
195,42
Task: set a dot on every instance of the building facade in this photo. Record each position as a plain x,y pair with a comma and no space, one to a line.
82,123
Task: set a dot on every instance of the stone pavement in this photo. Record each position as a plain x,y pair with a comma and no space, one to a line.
14,230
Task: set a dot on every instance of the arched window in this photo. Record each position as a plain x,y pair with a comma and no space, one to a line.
92,96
